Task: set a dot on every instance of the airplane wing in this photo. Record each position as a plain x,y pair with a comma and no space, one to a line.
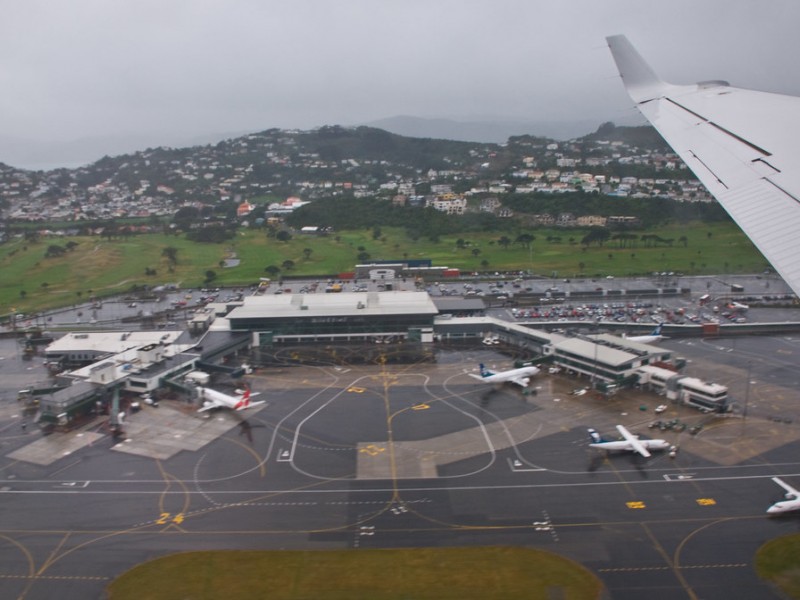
633,441
208,405
743,145
520,381
790,491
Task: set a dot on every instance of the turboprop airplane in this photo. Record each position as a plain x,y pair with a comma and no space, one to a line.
652,338
792,501
742,144
215,399
519,376
630,442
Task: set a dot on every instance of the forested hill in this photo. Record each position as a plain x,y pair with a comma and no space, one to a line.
323,163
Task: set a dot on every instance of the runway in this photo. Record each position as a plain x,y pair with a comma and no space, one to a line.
415,454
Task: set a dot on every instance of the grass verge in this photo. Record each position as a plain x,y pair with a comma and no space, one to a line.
487,573
32,281
777,562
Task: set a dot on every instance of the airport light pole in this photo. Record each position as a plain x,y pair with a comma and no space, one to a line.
594,365
746,396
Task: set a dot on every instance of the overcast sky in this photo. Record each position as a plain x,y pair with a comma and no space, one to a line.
74,69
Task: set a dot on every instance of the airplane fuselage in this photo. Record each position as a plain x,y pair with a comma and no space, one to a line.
521,373
645,339
792,502
216,399
784,506
626,445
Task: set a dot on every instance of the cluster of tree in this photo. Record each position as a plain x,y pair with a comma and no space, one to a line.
650,211
54,250
369,213
215,233
336,143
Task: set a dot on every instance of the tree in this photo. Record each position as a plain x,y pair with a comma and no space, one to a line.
624,238
504,241
283,236
307,253
288,264
476,251
54,250
272,270
171,254
210,276
363,256
525,240
213,234
185,216
598,235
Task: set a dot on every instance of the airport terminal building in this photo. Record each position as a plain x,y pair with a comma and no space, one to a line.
140,363
343,316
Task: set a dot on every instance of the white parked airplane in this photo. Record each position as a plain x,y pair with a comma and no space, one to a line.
215,399
792,501
742,144
630,442
652,338
519,376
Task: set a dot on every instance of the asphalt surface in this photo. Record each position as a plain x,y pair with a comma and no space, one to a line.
420,454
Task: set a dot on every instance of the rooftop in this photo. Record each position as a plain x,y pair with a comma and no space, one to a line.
335,304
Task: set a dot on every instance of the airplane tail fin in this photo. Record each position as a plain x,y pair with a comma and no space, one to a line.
244,401
657,330
596,439
484,371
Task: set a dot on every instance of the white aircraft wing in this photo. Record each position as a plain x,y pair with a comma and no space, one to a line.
744,145
790,491
520,381
633,441
209,404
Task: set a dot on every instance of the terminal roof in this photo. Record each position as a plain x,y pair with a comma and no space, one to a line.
335,304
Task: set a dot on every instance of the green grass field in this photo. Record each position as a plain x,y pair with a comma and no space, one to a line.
777,561
100,267
483,573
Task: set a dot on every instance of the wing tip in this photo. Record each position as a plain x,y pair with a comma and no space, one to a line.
639,78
